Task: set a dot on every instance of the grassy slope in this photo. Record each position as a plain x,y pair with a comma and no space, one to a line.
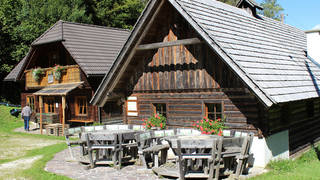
7,124
307,167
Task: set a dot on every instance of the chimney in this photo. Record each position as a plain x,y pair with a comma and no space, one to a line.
282,18
250,6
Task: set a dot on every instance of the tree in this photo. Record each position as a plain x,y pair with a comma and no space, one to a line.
21,22
271,9
116,13
230,2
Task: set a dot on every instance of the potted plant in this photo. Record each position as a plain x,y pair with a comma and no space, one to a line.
156,121
36,73
57,72
208,126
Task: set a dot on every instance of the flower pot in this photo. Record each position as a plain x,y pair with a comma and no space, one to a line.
57,75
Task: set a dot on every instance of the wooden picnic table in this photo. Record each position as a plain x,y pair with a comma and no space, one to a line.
198,156
198,147
110,144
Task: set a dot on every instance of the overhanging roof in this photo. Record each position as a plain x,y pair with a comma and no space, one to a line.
57,89
267,55
93,48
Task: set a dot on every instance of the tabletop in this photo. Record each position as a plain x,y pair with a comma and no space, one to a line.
196,141
110,134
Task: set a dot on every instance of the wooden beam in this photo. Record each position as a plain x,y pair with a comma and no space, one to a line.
40,106
63,113
169,43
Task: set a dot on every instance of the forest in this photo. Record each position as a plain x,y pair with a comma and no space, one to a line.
22,21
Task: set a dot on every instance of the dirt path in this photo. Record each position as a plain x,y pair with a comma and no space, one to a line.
14,147
10,169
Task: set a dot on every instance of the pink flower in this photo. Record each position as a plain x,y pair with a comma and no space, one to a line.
197,121
201,128
197,126
161,125
207,120
210,123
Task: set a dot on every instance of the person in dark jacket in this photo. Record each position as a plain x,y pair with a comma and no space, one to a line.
25,114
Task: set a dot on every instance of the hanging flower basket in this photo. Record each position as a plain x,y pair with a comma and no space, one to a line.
36,74
57,72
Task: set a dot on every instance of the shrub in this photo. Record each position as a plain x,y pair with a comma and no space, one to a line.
208,126
158,120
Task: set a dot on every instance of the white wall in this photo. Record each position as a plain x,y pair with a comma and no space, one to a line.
274,147
313,42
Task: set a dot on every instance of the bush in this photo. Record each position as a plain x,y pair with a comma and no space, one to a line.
158,120
208,126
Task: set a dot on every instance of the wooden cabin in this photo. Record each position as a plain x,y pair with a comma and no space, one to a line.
188,59
84,53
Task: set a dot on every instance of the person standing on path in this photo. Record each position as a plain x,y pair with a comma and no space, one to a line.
25,114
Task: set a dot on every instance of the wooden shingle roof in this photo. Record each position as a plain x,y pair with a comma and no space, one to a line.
94,48
267,55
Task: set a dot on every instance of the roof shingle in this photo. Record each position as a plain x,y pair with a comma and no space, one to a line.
93,47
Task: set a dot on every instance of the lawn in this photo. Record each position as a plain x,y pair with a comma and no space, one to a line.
306,167
23,156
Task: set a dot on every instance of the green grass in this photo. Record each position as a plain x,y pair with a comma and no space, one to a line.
36,171
306,167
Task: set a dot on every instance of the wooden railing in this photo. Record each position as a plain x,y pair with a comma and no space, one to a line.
70,74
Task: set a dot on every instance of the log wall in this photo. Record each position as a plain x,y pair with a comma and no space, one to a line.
112,113
183,109
185,77
301,118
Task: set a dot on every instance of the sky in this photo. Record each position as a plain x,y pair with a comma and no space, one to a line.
303,14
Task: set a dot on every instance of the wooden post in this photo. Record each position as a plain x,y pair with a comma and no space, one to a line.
63,113
40,108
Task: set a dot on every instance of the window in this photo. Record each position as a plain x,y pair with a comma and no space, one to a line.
132,106
81,106
214,111
49,105
30,100
160,108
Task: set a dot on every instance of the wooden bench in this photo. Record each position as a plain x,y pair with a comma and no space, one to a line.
96,142
237,148
191,151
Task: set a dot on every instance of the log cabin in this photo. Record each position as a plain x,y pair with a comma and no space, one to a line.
84,54
188,59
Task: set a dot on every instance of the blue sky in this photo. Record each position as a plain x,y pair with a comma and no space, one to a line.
303,14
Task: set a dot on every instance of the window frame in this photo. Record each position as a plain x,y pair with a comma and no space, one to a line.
154,109
49,104
77,106
215,114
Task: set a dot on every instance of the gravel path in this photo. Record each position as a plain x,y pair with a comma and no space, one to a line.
62,165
